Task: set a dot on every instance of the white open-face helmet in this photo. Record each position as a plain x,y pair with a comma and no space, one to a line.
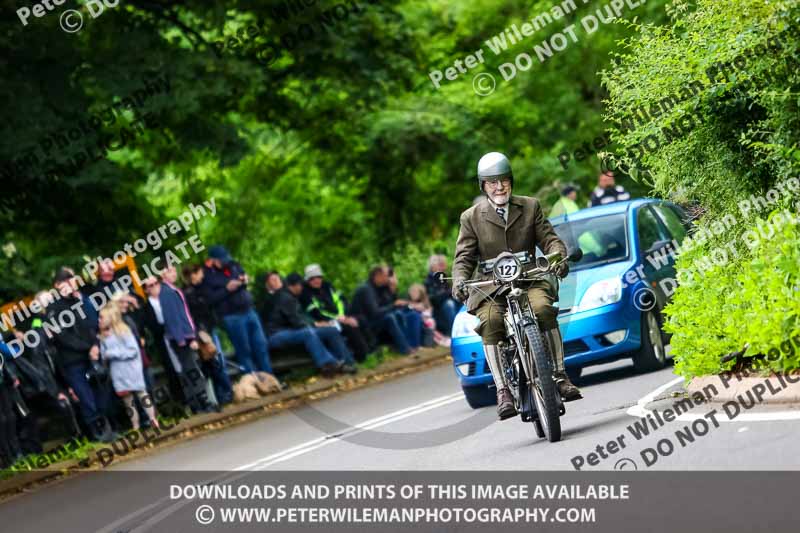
492,166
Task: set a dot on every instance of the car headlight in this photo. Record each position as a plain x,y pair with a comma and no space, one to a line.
464,325
604,292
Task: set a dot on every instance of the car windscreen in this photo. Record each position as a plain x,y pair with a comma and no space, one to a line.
602,239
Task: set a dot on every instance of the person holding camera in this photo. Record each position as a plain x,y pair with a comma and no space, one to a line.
78,355
225,289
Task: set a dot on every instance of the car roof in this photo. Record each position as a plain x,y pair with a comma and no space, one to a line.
602,210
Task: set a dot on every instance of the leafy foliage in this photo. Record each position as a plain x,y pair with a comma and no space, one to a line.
734,67
340,151
755,301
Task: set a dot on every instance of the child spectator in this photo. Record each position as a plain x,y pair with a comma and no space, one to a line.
120,348
418,301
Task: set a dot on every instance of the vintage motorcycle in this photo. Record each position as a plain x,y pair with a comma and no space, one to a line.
526,357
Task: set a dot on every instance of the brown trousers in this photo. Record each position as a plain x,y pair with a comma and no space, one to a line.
541,295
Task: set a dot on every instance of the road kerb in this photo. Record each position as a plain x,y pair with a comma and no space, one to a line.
260,408
732,387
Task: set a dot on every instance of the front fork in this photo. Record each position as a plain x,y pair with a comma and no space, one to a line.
519,314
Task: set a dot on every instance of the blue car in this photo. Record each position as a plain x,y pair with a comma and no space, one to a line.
610,303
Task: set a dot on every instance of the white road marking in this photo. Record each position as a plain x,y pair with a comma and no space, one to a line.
315,444
285,455
641,411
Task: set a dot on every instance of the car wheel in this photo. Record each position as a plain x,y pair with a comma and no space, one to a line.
574,373
653,354
479,396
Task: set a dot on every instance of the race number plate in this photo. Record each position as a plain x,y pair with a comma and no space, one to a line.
507,269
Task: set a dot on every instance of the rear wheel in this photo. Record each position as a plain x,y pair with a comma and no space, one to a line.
652,355
544,389
479,396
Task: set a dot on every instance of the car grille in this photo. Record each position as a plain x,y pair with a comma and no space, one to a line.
473,368
575,347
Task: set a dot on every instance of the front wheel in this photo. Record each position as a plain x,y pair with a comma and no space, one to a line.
544,389
537,426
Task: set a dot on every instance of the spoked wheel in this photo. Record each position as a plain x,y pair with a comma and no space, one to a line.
537,426
544,389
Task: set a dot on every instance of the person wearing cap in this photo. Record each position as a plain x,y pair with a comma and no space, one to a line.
503,222
288,326
225,289
325,304
566,203
607,191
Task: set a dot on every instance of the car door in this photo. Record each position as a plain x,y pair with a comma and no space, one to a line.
672,219
656,254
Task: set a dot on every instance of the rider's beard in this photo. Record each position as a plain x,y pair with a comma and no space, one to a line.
500,198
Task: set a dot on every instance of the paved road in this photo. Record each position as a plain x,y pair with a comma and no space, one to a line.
421,422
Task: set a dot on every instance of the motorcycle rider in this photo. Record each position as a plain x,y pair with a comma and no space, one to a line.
498,223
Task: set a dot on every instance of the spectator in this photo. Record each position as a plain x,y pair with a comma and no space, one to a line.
288,327
566,203
77,349
130,310
268,285
181,337
10,451
325,304
225,288
606,191
41,388
373,306
445,307
120,348
410,319
205,320
419,301
154,324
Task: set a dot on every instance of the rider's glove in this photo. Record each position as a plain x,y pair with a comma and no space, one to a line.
562,270
460,291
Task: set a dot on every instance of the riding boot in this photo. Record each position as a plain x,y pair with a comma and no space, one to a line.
568,391
505,402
